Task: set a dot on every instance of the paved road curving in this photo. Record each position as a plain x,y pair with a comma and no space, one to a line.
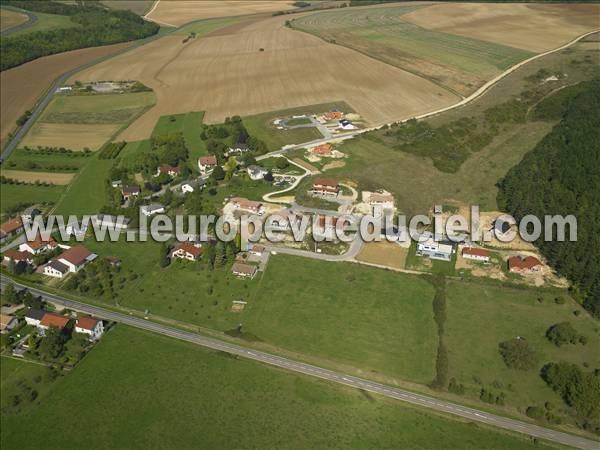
319,372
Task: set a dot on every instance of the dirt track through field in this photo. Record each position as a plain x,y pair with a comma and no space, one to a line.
228,74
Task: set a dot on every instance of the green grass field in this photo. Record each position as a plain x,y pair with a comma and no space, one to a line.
96,108
12,195
454,61
137,390
131,151
261,125
27,160
480,316
86,194
47,22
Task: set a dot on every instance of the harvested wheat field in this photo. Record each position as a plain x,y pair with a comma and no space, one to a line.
384,253
178,12
227,74
534,27
72,136
44,177
21,86
9,19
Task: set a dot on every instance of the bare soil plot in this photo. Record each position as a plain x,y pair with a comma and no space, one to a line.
32,177
387,254
21,86
9,19
534,27
72,136
178,12
228,75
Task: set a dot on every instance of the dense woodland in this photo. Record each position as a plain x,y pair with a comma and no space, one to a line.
561,175
95,26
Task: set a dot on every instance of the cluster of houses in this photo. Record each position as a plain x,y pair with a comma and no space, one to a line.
43,320
71,260
14,226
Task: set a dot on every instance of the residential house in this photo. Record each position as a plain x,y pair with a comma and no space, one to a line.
256,172
186,250
207,163
56,269
7,323
190,186
238,147
52,320
17,256
168,170
11,228
384,200
326,187
116,183
39,245
34,316
244,270
476,254
149,210
322,150
257,250
76,257
345,124
529,264
130,191
247,205
436,248
94,328
333,115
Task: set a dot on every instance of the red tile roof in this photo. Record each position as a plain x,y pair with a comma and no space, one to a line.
40,242
17,256
165,168
54,320
87,323
527,263
323,149
189,248
473,251
76,255
209,160
11,225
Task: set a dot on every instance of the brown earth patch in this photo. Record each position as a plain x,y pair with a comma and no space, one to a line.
32,177
387,254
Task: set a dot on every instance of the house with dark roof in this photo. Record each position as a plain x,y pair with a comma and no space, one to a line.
243,270
34,316
56,269
130,191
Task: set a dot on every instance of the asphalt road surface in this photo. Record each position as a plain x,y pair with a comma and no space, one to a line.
307,369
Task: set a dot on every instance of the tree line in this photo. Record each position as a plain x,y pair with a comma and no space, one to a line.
95,27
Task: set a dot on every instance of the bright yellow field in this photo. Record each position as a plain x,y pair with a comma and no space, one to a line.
534,27
177,12
226,74
71,136
9,19
31,177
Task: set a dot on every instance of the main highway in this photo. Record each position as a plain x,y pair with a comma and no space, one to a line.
319,372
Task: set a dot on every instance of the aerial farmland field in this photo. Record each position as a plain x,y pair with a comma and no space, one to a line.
295,69
10,19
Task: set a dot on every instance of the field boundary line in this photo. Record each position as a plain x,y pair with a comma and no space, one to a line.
154,20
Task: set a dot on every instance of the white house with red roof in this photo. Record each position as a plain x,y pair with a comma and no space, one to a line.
91,326
476,254
207,163
17,256
172,171
186,250
326,187
76,257
39,245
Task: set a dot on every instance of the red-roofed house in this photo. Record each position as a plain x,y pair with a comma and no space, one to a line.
17,256
94,328
525,265
186,250
326,187
76,257
38,245
333,115
322,150
169,170
52,320
10,228
206,163
477,254
248,205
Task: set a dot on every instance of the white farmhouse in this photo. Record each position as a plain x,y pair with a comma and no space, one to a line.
94,328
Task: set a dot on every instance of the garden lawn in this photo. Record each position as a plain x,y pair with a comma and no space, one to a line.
138,390
364,317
